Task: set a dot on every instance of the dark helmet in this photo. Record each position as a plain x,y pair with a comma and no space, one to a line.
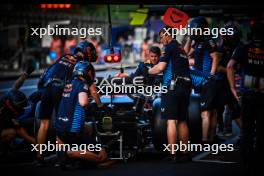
82,69
18,99
88,50
198,22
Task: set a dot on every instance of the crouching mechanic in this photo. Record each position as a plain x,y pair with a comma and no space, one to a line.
13,112
51,87
174,104
70,122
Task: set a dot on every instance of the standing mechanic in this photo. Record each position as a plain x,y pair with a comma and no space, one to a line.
174,103
70,121
251,59
203,51
229,43
51,86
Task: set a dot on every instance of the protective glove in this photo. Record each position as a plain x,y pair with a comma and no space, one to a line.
29,69
212,77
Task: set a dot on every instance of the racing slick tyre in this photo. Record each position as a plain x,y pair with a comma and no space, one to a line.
159,127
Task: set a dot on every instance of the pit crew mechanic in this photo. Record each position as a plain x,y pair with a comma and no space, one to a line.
13,113
51,86
204,54
250,57
153,59
230,42
70,121
174,103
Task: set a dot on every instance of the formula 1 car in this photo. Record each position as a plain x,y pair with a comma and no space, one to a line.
132,122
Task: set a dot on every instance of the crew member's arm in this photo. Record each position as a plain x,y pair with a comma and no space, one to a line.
231,77
191,57
189,50
237,57
160,67
24,134
19,82
95,95
92,87
83,99
138,71
214,55
187,47
221,64
221,69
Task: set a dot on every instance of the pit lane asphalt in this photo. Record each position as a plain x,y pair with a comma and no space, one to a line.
149,164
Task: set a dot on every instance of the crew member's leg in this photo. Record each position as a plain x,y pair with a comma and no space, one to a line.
169,111
8,134
205,125
79,139
50,99
220,120
183,130
172,133
209,119
45,113
213,125
88,155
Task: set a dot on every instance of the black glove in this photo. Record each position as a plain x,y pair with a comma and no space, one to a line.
212,77
29,69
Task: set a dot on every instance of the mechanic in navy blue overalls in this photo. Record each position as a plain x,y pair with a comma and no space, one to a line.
251,60
15,110
174,104
204,54
153,59
149,80
70,121
51,86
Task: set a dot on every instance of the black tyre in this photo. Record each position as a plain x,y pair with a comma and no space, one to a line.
159,127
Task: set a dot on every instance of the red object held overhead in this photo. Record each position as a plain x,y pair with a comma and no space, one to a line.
175,18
